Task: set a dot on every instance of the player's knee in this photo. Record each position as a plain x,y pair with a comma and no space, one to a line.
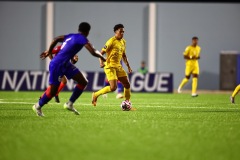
195,75
64,81
126,85
187,77
83,82
113,88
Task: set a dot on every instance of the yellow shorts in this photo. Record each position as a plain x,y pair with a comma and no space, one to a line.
192,69
113,73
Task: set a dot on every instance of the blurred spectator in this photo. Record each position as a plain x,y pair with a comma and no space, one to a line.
143,68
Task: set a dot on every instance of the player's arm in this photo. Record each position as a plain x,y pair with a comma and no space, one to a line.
94,52
100,61
185,54
198,56
125,60
53,44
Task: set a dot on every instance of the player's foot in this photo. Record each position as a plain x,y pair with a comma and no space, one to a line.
179,90
105,95
119,96
37,109
69,106
194,95
57,99
94,99
232,100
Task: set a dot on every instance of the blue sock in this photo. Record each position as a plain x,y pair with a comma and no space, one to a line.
44,100
120,87
78,90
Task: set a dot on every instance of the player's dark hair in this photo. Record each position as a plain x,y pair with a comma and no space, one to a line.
84,27
117,26
195,37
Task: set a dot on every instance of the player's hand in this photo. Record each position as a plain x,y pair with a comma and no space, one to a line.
44,54
74,59
102,64
103,59
129,70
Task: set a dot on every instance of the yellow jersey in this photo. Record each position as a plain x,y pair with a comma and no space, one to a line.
114,49
192,52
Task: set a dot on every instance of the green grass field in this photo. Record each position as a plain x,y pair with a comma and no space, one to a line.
165,126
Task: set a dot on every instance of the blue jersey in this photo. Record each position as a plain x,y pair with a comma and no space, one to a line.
71,45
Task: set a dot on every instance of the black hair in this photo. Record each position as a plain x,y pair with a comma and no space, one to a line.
84,27
195,37
117,26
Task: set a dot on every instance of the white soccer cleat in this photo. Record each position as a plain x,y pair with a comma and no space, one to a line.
70,107
104,95
119,96
37,110
194,95
179,90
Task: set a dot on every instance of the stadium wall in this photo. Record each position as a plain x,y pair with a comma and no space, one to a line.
217,25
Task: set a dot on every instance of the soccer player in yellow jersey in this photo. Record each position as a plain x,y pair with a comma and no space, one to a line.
191,55
235,92
115,49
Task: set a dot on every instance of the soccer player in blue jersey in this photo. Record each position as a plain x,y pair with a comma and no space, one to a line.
61,65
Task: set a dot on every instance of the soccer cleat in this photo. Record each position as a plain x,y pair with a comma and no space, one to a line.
119,96
57,99
105,95
232,100
70,107
195,95
37,110
179,90
94,99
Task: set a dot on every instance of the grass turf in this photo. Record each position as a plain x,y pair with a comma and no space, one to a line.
165,126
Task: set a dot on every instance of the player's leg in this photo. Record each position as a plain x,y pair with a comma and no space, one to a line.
106,83
235,92
194,85
73,73
195,74
61,86
186,79
122,77
112,79
51,91
126,85
119,90
112,87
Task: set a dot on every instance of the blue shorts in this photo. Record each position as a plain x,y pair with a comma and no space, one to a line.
57,71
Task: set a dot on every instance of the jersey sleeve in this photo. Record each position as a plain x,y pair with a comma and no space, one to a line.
185,53
85,41
107,46
56,49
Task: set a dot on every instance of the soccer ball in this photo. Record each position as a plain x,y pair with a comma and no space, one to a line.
126,105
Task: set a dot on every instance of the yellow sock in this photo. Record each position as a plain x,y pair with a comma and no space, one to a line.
127,93
194,85
103,91
184,81
236,90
